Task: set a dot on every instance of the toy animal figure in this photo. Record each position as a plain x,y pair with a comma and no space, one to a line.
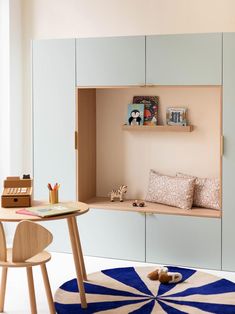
118,193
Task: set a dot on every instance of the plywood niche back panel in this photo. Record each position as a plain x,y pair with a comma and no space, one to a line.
126,157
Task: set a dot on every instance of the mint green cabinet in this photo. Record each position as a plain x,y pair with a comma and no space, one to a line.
113,234
54,117
228,230
185,59
181,240
110,61
53,95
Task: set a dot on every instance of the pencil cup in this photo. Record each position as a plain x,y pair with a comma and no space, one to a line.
53,197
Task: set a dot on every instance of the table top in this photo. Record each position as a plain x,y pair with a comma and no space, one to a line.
10,215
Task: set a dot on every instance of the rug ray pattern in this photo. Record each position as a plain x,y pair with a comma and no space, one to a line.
128,290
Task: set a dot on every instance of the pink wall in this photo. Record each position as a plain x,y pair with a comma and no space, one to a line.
126,157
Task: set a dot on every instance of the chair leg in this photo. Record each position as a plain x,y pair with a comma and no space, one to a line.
3,288
48,289
31,290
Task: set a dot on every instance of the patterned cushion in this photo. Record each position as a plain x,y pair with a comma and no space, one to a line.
173,191
206,192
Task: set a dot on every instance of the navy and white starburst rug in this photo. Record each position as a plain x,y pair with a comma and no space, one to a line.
128,290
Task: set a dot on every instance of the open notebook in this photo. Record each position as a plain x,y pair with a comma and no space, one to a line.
47,211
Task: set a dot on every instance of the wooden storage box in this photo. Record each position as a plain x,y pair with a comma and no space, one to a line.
17,192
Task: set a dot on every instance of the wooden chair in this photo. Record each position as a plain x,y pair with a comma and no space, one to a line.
30,240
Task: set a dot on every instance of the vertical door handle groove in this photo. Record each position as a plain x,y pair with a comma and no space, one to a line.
76,140
222,145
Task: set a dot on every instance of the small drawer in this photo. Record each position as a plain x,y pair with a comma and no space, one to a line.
16,201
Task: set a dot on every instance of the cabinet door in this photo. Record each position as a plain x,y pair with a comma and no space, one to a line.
114,234
179,240
113,61
228,235
54,124
188,59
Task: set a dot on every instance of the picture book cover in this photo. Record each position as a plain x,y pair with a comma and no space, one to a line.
135,114
176,116
150,108
53,210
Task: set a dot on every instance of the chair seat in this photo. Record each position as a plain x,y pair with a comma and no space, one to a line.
38,259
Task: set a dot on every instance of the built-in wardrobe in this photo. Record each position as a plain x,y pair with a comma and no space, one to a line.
81,89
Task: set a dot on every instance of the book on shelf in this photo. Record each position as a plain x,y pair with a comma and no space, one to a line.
150,108
135,114
176,116
47,211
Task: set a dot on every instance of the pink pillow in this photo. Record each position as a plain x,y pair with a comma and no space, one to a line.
168,190
206,192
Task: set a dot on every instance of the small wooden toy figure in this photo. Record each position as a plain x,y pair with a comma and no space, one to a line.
118,193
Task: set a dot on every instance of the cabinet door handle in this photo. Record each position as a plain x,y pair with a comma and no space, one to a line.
221,145
76,140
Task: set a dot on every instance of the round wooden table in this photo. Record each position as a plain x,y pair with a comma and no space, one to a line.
10,215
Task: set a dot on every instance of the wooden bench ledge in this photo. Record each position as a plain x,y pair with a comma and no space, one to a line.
152,208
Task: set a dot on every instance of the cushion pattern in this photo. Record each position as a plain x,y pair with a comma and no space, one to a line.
168,190
206,192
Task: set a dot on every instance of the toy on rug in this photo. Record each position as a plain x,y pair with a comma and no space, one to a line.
137,203
118,193
164,276
154,275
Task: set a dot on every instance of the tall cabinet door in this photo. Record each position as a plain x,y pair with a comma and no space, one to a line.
228,234
110,61
188,59
54,124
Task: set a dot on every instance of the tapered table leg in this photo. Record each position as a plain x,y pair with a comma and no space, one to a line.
79,248
77,263
3,288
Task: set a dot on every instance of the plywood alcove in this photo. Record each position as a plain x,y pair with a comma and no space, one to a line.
109,155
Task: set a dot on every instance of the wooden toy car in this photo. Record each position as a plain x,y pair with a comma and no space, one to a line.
137,203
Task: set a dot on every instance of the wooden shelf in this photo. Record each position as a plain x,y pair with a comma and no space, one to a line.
151,208
158,128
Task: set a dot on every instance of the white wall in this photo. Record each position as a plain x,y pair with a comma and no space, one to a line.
4,90
10,88
16,97
70,18
73,18
11,111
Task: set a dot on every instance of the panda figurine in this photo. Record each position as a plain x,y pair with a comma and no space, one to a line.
135,118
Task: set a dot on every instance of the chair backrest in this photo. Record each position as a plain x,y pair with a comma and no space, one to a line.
3,249
30,239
